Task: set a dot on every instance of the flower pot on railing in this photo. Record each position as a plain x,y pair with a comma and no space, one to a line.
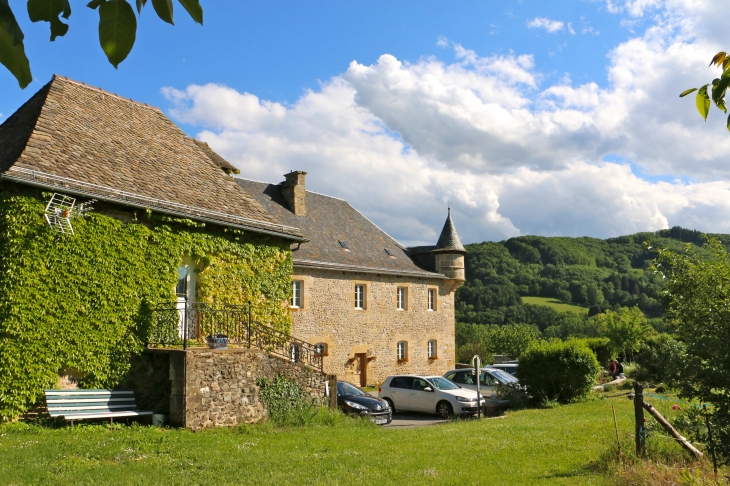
217,341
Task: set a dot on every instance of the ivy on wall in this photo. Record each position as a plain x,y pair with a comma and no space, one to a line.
76,302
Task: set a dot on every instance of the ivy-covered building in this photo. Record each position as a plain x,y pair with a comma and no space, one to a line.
169,224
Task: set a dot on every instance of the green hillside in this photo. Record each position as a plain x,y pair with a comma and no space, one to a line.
525,279
554,304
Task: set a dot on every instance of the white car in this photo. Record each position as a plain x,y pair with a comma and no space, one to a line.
431,394
488,377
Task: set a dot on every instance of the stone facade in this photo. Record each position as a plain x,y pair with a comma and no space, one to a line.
368,338
215,388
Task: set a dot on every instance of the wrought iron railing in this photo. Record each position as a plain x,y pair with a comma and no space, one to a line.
204,324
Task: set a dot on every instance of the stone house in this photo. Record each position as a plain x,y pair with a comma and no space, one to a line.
371,306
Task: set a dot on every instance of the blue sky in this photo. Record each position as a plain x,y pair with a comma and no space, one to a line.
527,117
278,49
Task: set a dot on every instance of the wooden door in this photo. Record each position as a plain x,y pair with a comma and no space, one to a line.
363,368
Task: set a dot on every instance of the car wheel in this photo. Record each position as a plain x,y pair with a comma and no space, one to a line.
444,410
390,404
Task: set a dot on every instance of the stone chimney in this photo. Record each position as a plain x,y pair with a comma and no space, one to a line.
293,191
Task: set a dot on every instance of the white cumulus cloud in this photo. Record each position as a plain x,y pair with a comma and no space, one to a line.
485,135
551,26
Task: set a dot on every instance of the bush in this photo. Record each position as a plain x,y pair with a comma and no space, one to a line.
489,339
601,347
661,359
287,403
555,370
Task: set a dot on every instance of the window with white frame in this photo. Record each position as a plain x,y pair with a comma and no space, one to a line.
402,297
432,299
402,350
431,348
296,296
359,297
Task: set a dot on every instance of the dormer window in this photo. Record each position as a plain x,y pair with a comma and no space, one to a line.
390,253
343,245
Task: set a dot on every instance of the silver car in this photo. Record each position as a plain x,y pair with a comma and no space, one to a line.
510,368
431,394
488,377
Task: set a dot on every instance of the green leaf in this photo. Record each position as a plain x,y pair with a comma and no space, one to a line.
93,4
164,10
14,59
117,30
718,91
140,4
194,9
9,24
703,101
728,123
48,11
686,92
12,51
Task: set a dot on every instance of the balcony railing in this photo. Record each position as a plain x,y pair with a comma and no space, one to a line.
198,324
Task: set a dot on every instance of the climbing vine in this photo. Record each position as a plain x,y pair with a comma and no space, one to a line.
77,301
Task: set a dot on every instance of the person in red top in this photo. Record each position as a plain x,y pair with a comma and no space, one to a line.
613,368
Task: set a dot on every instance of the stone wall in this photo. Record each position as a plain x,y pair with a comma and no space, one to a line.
217,388
328,315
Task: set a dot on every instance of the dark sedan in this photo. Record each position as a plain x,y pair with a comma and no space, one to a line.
354,401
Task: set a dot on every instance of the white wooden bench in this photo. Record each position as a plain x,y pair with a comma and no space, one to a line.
92,404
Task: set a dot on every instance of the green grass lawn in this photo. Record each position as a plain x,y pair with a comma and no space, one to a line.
555,304
549,446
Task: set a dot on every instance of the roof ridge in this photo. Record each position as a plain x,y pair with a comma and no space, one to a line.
103,91
311,192
398,243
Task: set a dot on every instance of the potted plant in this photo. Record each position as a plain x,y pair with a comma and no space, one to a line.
217,341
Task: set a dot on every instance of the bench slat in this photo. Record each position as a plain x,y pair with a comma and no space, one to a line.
87,404
95,407
80,416
88,392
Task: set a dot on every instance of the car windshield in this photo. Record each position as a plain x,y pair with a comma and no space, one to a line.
347,390
504,377
443,384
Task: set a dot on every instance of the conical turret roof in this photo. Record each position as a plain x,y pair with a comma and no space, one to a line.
449,239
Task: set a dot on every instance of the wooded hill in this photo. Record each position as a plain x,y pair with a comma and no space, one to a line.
589,272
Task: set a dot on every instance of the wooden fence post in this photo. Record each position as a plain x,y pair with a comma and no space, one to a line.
639,417
333,390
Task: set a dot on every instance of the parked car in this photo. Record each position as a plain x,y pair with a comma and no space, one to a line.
354,401
488,377
431,394
510,368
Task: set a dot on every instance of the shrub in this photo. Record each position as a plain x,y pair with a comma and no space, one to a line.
555,370
514,393
286,402
601,347
661,358
488,339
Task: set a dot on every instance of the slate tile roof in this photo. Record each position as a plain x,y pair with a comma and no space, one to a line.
330,220
83,140
449,239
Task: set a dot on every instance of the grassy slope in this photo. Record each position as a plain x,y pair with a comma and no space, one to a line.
553,446
555,304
